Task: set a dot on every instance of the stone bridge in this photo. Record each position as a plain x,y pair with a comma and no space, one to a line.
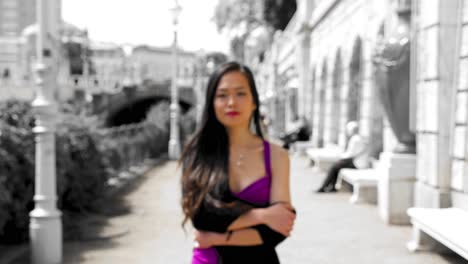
133,102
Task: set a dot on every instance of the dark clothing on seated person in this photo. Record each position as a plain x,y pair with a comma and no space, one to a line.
332,176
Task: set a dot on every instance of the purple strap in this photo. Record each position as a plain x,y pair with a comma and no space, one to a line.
267,158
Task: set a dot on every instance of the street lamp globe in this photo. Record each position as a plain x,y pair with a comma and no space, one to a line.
176,10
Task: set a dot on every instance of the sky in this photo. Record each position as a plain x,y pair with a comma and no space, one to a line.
146,22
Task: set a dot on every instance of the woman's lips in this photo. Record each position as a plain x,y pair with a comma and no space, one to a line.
232,113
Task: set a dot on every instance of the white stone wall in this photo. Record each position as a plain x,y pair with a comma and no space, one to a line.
346,22
459,181
441,131
318,106
427,89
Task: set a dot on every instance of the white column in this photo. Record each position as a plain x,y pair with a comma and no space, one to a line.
436,88
303,70
328,108
344,91
45,223
174,144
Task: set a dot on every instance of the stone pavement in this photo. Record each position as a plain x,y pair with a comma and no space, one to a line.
328,229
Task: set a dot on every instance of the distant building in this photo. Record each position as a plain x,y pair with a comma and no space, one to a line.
109,66
17,19
16,15
155,64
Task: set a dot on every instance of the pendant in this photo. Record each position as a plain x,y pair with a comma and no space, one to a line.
239,160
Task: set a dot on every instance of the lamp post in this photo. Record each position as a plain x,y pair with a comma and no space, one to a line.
200,83
205,72
45,227
174,144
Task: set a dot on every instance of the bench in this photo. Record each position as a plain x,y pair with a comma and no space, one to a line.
324,158
448,226
364,182
301,146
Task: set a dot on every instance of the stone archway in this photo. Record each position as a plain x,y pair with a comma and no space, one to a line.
377,115
321,104
355,82
337,83
311,115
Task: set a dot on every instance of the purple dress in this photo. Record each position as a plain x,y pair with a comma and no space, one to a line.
257,193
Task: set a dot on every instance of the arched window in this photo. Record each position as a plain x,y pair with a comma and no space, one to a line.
355,82
312,96
321,101
337,82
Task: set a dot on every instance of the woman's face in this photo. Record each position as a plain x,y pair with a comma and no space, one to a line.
233,101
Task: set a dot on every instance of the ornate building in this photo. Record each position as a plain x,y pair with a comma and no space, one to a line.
398,67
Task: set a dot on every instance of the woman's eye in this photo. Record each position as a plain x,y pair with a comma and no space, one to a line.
241,93
221,95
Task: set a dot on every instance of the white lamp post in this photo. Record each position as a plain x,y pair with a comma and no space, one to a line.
45,227
174,144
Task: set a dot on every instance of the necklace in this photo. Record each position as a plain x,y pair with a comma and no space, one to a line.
239,160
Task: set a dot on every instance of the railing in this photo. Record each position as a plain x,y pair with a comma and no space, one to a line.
92,84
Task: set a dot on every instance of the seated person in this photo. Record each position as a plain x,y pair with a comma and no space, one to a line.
354,157
301,132
304,130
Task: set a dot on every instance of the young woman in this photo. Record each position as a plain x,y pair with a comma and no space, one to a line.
235,185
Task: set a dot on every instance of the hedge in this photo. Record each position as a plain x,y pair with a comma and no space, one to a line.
86,158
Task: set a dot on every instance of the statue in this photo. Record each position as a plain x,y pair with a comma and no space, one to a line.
392,77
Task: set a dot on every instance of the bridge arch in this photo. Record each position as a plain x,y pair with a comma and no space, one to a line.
133,103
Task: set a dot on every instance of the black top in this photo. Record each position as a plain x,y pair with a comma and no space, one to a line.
214,219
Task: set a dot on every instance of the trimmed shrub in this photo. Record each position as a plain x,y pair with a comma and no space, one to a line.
16,169
86,157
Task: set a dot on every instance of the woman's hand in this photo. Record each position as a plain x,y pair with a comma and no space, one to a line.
280,217
205,239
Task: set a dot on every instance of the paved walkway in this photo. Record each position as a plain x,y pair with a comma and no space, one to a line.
328,228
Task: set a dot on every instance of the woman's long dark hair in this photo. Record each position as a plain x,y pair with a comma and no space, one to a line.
206,156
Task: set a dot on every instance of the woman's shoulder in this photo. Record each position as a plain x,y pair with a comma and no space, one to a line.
278,153
279,162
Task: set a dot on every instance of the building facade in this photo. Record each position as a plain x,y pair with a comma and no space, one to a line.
17,19
329,54
15,16
110,67
155,65
278,80
441,92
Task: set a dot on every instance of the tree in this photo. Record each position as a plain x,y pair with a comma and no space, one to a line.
278,13
230,14
240,17
217,58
